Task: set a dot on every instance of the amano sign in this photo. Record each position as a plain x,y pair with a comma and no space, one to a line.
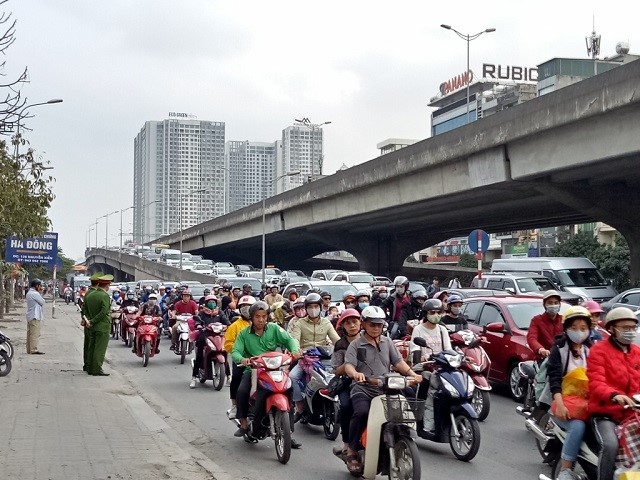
456,82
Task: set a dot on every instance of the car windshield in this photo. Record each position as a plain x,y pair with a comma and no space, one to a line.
528,285
544,284
202,267
337,291
256,285
272,271
361,278
224,264
197,291
581,277
206,262
226,271
522,313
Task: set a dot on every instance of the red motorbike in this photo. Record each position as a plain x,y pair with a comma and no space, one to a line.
270,374
146,338
477,365
214,357
128,325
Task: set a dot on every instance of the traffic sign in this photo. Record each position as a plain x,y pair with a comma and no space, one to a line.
473,240
42,249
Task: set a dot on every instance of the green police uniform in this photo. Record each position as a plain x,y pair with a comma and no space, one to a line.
85,350
98,308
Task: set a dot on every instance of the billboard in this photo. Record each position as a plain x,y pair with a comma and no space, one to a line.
43,249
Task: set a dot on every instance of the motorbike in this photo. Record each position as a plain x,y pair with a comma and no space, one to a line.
146,338
6,345
5,358
270,372
477,365
456,421
67,297
184,346
389,448
116,315
214,357
536,414
319,410
128,326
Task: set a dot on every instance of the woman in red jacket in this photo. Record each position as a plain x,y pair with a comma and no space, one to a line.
614,377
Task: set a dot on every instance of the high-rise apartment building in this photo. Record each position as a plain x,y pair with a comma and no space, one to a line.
302,150
173,160
252,171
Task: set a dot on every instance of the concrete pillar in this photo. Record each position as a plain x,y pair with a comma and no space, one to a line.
632,236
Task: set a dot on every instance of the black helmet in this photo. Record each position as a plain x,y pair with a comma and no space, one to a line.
247,286
420,293
432,304
207,291
324,293
312,298
400,280
260,305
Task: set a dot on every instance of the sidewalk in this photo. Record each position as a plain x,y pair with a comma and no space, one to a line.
58,423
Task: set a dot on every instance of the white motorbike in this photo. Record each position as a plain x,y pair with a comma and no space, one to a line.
184,346
116,316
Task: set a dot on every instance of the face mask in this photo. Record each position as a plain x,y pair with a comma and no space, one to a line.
552,309
313,312
244,311
383,294
212,305
363,305
434,318
152,302
400,290
455,310
577,336
627,338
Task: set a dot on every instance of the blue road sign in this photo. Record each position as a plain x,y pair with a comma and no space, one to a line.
473,240
42,249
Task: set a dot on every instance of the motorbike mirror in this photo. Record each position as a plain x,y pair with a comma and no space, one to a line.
416,357
421,342
496,327
362,354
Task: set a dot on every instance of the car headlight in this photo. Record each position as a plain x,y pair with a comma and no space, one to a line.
453,391
396,382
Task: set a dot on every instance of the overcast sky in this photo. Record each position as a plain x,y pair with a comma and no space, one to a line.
369,67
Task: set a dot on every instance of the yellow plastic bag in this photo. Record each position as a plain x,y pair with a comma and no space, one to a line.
630,475
576,383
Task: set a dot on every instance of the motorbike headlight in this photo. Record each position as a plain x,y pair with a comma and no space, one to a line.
471,387
210,344
453,391
272,363
454,360
474,366
396,382
148,320
276,375
216,328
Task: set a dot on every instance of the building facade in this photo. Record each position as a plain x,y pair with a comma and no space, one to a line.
180,176
302,151
252,172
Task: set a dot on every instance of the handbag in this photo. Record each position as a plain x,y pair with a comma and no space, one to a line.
629,442
338,384
575,391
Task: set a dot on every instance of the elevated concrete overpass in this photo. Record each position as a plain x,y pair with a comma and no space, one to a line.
568,157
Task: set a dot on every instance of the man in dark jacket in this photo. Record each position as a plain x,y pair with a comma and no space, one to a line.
393,304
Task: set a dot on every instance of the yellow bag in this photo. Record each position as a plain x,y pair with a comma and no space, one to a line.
576,383
631,475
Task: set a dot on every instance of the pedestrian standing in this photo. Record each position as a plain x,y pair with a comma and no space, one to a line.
98,310
455,282
35,316
87,334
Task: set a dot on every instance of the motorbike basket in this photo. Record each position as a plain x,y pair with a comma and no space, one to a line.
403,410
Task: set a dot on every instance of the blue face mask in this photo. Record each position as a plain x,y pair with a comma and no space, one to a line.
363,305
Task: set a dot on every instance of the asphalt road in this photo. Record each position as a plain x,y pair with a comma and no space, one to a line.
507,450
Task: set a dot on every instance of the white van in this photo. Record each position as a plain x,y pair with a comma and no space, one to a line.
170,257
573,274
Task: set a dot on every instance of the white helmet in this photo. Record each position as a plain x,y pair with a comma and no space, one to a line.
373,314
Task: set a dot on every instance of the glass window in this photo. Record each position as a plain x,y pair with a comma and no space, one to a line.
490,314
631,299
472,311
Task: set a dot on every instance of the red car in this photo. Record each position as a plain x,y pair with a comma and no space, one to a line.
506,320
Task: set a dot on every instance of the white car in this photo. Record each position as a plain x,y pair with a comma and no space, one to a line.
361,280
187,265
203,268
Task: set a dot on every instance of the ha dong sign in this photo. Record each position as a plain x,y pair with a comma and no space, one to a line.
456,82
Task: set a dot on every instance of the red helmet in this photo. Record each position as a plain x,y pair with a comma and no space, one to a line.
347,313
593,307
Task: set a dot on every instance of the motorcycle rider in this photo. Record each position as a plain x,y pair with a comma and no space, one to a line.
165,301
299,311
326,303
454,320
380,297
310,331
413,310
259,338
209,314
152,309
205,294
185,306
545,327
244,305
246,290
393,306
116,298
379,355
273,296
569,352
130,301
363,300
349,299
614,377
597,332
146,291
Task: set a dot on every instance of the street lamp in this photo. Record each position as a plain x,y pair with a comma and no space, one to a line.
17,136
121,212
180,206
106,229
143,219
468,38
264,236
305,122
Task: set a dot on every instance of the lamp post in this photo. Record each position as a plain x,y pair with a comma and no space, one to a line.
106,229
180,206
121,212
468,38
17,137
264,236
143,218
305,122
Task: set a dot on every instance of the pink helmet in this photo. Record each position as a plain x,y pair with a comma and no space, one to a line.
593,307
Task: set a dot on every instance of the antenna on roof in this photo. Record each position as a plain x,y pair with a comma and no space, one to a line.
593,42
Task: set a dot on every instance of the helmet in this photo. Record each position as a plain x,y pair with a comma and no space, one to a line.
400,280
324,293
420,293
210,297
348,295
186,291
373,314
148,287
246,300
247,286
130,294
36,282
207,291
593,307
161,287
363,293
299,302
167,290
153,296
454,299
349,312
575,312
259,305
548,294
312,298
432,304
619,313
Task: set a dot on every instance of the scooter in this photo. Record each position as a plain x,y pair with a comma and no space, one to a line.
116,315
270,373
456,421
536,414
146,338
67,297
477,365
214,356
319,410
5,357
184,345
128,326
6,345
388,443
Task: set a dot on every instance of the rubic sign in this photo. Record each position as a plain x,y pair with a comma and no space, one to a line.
42,249
509,72
456,83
